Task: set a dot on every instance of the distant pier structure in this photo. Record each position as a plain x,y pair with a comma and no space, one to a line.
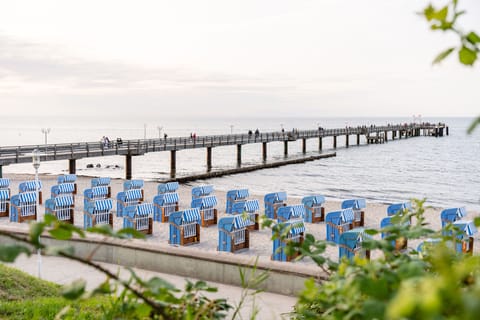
131,148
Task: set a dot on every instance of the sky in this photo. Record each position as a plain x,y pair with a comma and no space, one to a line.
223,58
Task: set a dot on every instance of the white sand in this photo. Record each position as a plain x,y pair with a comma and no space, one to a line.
260,241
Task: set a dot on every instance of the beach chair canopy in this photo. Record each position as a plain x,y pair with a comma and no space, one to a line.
143,209
296,227
133,194
24,197
66,178
466,226
398,207
291,212
453,214
4,194
101,205
96,192
4,183
167,187
275,197
353,238
191,215
205,202
356,204
246,206
202,191
311,201
238,194
102,181
63,201
30,186
166,198
63,188
132,185
340,217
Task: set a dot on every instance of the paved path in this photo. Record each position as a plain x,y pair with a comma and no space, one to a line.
62,271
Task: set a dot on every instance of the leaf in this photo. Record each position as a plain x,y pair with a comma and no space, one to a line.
441,14
49,219
473,125
429,12
8,253
36,230
442,55
131,232
371,232
476,221
55,250
60,233
467,56
74,290
472,37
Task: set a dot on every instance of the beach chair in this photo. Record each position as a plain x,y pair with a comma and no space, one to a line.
272,202
233,234
427,245
338,222
28,186
357,205
451,215
314,210
62,189
128,198
295,233
68,178
167,187
208,212
4,202
249,208
234,196
464,239
62,207
163,205
102,182
139,217
5,184
350,244
395,208
291,212
184,227
201,191
23,207
134,185
400,243
95,193
98,212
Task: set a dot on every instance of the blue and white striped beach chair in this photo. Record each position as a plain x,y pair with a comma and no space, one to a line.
102,182
451,215
201,191
98,212
338,222
68,178
295,233
184,227
395,208
272,202
4,202
167,187
95,193
208,212
294,212
128,198
234,196
63,189
250,208
23,207
399,243
233,234
357,206
164,204
314,210
464,237
350,244
427,245
62,207
134,185
28,186
139,217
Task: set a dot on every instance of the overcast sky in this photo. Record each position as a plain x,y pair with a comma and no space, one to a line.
245,58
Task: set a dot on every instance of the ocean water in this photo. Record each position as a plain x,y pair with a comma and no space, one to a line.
445,170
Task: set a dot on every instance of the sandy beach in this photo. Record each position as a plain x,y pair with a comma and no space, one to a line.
260,241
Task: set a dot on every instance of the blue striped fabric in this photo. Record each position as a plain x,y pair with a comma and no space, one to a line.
191,215
461,212
354,203
66,187
132,184
30,186
103,205
103,181
167,187
27,197
144,209
170,197
242,193
209,202
466,226
133,194
252,205
202,191
347,215
297,227
280,196
100,191
240,222
67,178
4,183
297,211
4,194
64,201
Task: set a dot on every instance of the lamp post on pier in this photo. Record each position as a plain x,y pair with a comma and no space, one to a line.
159,128
46,131
36,165
231,129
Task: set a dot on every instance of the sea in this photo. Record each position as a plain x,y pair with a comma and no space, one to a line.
445,171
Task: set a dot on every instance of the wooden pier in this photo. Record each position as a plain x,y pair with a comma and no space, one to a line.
131,148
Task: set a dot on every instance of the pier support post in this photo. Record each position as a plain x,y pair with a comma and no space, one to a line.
320,144
173,163
334,142
264,151
399,134
358,139
209,159
304,145
386,136
346,140
285,148
128,167
239,155
72,166
446,128
1,171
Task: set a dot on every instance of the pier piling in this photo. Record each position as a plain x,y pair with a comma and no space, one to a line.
304,145
346,140
173,163
285,148
335,142
72,166
264,151
319,143
128,167
239,155
209,159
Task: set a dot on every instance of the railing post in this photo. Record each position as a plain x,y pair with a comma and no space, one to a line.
320,144
239,155
304,145
264,151
334,142
128,166
173,163
209,159
285,148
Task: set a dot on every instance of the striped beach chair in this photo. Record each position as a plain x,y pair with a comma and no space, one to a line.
350,244
23,207
314,210
62,207
163,205
294,212
139,217
167,187
464,237
452,214
208,212
400,243
201,191
427,245
134,185
337,222
28,186
184,227
95,193
128,198
102,182
234,196
250,208
4,202
98,212
63,189
68,178
395,208
4,184
358,206
272,202
233,234
295,233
